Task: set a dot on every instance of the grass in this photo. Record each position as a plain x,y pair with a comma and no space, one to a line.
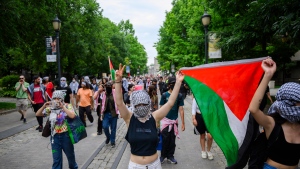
7,106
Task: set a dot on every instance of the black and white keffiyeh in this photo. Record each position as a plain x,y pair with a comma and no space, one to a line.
286,98
140,97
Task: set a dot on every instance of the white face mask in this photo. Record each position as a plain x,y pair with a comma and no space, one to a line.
74,81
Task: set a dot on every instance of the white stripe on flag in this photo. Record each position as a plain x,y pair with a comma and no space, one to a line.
238,127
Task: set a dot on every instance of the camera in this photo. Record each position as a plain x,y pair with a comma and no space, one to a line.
54,105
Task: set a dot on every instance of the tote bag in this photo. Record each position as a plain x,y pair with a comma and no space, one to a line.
76,129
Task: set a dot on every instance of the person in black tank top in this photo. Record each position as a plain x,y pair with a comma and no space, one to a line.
142,131
285,111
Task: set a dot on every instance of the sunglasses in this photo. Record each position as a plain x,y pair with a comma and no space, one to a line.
21,78
62,80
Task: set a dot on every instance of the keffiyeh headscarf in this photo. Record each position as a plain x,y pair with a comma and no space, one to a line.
55,111
141,97
286,98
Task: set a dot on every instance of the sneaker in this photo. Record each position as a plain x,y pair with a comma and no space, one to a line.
99,133
210,156
162,159
37,128
24,120
172,160
113,145
22,117
204,154
107,140
40,128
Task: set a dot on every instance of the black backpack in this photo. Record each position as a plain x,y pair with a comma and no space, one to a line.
261,145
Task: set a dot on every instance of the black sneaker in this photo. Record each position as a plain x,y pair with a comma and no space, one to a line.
107,140
22,117
37,128
24,120
172,160
99,133
162,159
40,128
113,145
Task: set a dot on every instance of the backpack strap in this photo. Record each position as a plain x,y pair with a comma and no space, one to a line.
274,135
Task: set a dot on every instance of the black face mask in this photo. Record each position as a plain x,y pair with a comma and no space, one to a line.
108,90
171,86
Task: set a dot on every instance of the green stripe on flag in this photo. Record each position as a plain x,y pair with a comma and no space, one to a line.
215,117
113,74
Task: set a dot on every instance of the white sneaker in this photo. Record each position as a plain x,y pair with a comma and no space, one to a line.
210,156
204,154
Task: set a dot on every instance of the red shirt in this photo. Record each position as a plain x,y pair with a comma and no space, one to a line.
49,89
38,94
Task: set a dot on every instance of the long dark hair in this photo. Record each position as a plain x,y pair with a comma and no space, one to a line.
152,92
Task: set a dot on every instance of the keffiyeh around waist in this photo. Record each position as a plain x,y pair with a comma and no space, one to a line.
286,98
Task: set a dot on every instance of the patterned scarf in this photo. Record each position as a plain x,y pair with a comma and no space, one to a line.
286,98
141,112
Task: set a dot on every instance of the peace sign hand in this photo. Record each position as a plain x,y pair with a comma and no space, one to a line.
119,73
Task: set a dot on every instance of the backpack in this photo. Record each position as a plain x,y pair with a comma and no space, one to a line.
261,145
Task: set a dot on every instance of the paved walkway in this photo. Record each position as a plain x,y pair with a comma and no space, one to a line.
187,150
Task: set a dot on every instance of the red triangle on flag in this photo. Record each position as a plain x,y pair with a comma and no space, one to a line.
234,82
110,65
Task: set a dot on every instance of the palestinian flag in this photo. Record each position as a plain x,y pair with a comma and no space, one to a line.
112,70
223,92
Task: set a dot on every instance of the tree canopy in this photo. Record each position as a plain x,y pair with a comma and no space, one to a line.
87,38
247,29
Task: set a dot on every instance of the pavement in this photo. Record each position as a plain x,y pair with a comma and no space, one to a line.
21,146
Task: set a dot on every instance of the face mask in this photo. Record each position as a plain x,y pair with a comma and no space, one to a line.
171,87
108,90
62,83
54,105
141,111
74,81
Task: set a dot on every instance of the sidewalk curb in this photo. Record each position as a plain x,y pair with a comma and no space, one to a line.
7,111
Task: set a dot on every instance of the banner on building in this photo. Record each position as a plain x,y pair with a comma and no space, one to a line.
50,48
213,51
127,69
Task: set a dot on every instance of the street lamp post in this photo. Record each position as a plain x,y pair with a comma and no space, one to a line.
56,25
172,68
206,21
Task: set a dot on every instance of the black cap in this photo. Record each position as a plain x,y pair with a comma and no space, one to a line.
171,80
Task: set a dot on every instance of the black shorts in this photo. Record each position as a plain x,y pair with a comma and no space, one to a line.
200,124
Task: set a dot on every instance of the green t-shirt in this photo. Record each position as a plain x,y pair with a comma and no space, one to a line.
173,113
20,93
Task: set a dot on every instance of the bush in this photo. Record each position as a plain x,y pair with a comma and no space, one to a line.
6,106
9,81
6,92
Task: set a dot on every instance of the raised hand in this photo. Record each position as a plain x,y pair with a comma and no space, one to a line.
179,76
269,66
119,73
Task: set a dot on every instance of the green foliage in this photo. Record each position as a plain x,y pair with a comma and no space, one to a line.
6,92
247,29
9,81
7,106
86,38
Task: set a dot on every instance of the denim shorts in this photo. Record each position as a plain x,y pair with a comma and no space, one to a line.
267,166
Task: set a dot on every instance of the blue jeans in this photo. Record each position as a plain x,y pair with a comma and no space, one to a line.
63,142
267,166
109,121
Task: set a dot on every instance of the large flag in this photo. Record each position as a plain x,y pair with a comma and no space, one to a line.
223,92
111,69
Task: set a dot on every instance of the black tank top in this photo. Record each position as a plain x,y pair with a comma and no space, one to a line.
142,137
283,152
